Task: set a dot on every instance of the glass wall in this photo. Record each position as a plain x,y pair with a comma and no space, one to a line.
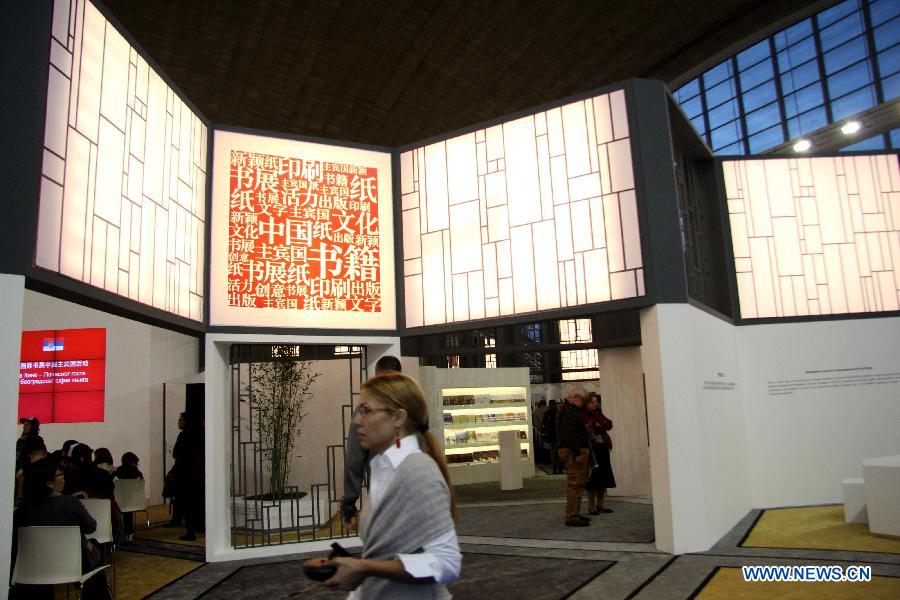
830,66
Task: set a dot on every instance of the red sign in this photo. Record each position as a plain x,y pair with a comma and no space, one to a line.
303,234
62,375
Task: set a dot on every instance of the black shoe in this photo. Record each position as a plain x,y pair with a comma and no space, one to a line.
188,537
577,523
585,519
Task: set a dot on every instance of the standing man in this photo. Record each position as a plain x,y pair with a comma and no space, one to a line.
573,443
356,458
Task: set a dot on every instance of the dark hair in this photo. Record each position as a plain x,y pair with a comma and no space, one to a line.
33,443
388,363
67,445
37,477
35,424
102,455
397,391
130,458
81,453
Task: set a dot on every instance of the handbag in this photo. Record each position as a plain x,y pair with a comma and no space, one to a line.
169,484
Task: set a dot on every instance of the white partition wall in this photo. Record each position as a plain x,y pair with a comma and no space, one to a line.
533,214
761,416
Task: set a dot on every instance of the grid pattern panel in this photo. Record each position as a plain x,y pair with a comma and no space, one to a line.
823,69
123,189
533,214
815,236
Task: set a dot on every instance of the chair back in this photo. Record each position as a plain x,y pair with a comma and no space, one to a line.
48,555
130,495
101,510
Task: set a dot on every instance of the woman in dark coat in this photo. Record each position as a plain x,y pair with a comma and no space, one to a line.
601,475
189,480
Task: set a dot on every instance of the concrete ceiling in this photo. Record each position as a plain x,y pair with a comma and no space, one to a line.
391,72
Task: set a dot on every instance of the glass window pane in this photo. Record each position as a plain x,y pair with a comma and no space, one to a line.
721,93
688,90
851,78
883,10
753,54
699,127
888,34
692,107
853,103
763,118
717,74
845,55
726,135
732,149
876,142
796,54
809,121
764,140
847,28
758,96
891,87
827,17
799,77
803,100
757,74
895,138
889,61
724,113
793,34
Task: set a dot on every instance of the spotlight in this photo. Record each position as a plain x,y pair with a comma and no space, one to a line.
850,127
802,146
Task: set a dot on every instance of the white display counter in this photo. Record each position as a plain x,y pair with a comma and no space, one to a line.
882,482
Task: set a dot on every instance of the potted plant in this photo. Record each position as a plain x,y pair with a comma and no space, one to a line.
279,391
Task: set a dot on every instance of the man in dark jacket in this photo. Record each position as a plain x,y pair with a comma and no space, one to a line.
356,458
573,442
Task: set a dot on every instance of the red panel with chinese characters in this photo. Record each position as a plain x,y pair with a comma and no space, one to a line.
303,234
62,375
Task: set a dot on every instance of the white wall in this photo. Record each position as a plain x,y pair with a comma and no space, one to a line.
802,444
723,439
12,295
139,358
698,450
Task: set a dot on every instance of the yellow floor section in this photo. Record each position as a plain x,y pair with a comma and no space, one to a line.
138,575
728,584
818,528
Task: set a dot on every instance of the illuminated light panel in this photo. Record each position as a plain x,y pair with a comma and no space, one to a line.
302,236
556,216
815,236
123,189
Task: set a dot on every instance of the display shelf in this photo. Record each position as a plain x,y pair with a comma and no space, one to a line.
460,393
479,445
460,408
498,425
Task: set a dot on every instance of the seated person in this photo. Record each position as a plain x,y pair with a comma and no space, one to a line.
128,470
33,450
45,505
103,459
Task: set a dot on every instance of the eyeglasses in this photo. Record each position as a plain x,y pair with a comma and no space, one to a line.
364,410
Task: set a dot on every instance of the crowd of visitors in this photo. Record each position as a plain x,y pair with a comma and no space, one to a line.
574,438
49,486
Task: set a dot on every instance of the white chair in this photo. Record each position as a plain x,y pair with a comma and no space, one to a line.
50,555
101,510
131,496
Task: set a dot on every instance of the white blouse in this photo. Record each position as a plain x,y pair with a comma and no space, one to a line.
441,558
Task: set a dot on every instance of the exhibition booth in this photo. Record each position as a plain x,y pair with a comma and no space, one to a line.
767,291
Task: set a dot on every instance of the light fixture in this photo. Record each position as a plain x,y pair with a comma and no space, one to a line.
850,127
802,145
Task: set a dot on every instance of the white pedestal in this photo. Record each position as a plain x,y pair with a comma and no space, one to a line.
855,501
510,460
882,483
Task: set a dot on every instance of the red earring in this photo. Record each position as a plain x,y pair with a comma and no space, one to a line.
397,441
